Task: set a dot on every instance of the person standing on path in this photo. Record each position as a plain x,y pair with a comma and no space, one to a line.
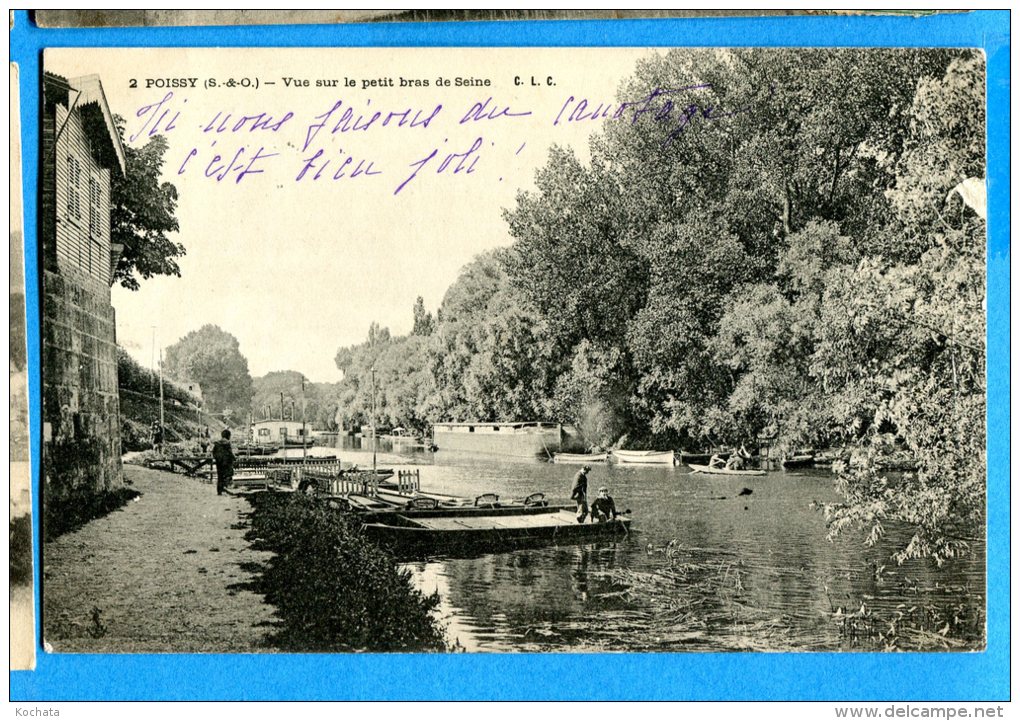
579,493
223,456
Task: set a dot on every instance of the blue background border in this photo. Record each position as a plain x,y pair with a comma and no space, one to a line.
974,676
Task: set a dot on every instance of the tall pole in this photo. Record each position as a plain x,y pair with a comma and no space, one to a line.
375,435
152,357
304,432
162,428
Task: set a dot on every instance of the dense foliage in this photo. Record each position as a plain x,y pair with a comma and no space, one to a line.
333,589
131,376
319,399
795,270
142,214
212,358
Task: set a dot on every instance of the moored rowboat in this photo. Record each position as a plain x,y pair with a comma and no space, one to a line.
725,471
803,460
580,457
657,457
423,530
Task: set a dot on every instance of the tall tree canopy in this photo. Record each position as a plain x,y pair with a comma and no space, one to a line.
319,399
142,214
775,256
212,358
424,323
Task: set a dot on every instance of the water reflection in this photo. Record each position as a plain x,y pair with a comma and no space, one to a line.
704,567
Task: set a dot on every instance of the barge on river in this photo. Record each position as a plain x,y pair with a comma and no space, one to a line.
524,439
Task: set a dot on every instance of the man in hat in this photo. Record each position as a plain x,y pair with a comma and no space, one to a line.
603,508
223,456
579,492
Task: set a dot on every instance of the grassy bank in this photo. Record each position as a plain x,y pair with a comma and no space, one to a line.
75,512
183,423
334,590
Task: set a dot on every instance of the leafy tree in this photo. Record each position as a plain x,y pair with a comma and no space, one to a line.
569,258
799,269
594,394
142,214
392,371
319,399
211,357
268,388
795,268
903,343
490,358
423,321
131,376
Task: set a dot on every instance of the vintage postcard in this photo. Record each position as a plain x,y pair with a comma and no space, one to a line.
22,618
506,349
179,18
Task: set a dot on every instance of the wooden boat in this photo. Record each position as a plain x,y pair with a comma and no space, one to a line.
420,530
695,468
802,460
651,457
580,457
401,435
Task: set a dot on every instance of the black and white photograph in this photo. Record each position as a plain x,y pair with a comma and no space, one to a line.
489,350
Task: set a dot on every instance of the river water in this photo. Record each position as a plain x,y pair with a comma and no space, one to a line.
703,569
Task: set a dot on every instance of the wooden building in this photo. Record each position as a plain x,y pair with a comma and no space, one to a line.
80,152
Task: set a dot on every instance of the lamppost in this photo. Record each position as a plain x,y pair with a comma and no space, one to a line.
375,442
304,427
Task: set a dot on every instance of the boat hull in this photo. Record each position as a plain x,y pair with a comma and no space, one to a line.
695,468
416,534
526,442
658,458
580,457
799,462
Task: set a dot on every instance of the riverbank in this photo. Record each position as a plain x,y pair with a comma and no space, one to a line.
168,572
336,590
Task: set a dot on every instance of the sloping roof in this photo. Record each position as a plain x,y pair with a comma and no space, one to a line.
86,93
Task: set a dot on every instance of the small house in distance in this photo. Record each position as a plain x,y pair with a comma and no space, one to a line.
193,388
281,433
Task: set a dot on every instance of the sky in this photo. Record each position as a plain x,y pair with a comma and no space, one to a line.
294,265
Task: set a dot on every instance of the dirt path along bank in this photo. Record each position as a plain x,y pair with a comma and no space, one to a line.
166,572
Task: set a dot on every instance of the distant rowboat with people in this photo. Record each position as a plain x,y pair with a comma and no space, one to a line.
712,470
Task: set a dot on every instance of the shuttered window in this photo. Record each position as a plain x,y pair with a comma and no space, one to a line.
95,198
73,188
